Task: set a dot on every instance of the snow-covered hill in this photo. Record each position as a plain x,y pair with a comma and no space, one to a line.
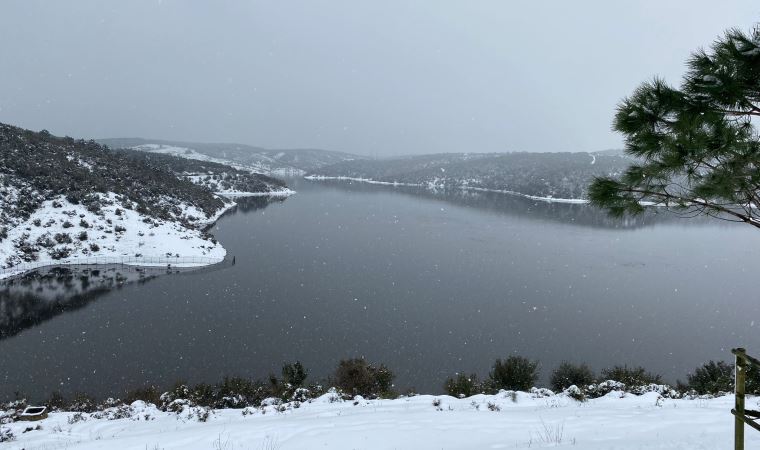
244,157
218,177
184,152
504,420
60,232
71,201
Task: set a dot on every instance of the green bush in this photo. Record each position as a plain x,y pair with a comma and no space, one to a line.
712,378
147,394
82,403
752,385
294,374
56,401
238,392
631,376
203,394
62,238
515,373
60,253
463,386
357,377
569,374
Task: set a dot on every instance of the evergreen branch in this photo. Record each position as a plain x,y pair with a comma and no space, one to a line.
679,199
751,112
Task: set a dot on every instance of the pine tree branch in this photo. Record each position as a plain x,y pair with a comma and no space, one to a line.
751,112
666,196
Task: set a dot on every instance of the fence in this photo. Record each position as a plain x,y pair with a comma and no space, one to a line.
147,261
741,415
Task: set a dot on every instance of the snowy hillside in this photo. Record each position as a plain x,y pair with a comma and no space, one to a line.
69,201
219,178
61,232
184,152
504,420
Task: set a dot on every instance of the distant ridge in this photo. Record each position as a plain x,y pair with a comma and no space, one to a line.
558,176
267,161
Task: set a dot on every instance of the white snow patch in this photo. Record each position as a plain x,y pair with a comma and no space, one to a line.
285,192
214,185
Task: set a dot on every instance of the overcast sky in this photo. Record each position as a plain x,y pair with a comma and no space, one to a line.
382,77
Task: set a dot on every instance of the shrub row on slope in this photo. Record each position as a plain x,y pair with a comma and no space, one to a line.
358,377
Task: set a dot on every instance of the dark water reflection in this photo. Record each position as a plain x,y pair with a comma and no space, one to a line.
40,295
524,208
429,283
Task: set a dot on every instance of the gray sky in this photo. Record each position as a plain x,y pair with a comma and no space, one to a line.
382,77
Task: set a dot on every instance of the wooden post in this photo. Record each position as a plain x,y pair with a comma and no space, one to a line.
740,376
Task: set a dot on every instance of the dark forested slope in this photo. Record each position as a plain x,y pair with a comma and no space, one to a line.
41,166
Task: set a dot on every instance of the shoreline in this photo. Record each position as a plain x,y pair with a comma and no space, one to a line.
153,261
278,193
142,261
464,188
432,186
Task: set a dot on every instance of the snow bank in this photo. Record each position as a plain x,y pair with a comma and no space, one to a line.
285,192
505,420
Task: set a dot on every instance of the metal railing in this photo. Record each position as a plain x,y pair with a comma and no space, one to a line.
741,415
147,261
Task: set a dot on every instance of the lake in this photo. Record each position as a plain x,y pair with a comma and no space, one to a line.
429,283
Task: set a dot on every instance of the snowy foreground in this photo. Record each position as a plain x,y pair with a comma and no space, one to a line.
504,420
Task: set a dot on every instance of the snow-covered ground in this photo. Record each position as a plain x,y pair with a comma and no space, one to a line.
505,420
110,236
213,185
278,193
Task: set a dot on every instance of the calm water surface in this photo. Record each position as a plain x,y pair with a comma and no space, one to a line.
428,283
